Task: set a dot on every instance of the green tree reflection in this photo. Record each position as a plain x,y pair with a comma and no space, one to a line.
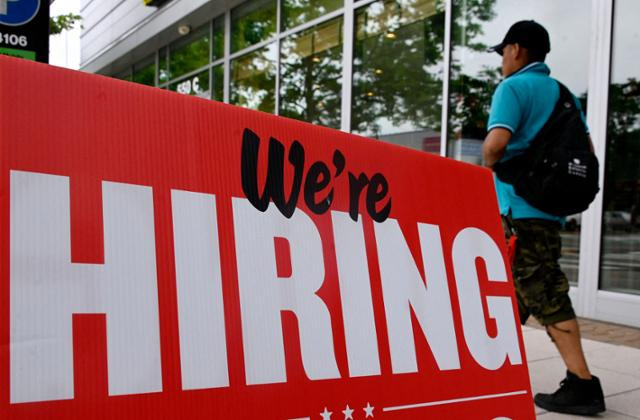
471,103
398,71
395,67
470,96
311,75
296,12
146,75
621,185
253,80
251,23
189,54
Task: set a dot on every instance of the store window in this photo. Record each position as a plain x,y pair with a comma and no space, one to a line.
217,81
620,259
253,79
189,53
478,24
311,74
297,12
251,23
124,75
163,65
217,47
397,72
144,72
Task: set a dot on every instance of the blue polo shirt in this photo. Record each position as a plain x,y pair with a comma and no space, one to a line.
522,103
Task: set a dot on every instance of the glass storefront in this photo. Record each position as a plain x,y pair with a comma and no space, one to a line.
217,82
189,53
253,80
297,12
124,75
217,44
163,65
475,73
289,57
620,246
397,72
197,85
397,65
144,72
252,22
311,74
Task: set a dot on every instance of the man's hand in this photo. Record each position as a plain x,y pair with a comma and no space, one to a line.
494,145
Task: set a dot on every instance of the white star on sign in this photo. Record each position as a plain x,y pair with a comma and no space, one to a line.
368,411
348,413
326,414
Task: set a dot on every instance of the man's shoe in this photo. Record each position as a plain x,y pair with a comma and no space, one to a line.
575,396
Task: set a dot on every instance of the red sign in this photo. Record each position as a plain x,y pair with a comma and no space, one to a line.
171,257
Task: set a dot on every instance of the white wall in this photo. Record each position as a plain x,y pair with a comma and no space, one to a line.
64,48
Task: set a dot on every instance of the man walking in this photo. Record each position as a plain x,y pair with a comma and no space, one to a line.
521,105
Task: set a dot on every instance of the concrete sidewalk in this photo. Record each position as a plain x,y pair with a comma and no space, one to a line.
617,366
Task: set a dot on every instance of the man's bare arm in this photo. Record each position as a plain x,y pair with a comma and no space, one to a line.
494,145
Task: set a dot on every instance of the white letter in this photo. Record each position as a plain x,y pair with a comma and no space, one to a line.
490,353
403,287
46,289
3,6
263,294
203,347
355,291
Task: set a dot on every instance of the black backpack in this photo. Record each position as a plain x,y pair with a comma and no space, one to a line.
558,173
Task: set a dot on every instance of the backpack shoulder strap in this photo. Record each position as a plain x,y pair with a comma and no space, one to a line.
565,95
510,170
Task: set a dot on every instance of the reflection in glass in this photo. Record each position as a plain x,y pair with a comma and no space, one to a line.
253,79
189,53
475,73
144,72
197,85
620,255
311,74
124,75
252,22
217,90
472,82
297,12
217,50
163,65
397,72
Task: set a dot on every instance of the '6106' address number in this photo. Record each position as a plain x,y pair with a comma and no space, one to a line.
13,39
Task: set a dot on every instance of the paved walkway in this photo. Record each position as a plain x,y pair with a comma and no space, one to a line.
613,354
605,332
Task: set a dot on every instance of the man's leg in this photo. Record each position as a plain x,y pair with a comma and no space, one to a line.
580,392
545,293
566,336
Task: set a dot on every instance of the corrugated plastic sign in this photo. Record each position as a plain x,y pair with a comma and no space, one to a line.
169,257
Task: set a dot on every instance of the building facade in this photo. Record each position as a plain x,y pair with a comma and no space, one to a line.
411,72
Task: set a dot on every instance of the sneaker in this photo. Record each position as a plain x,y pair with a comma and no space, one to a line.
575,396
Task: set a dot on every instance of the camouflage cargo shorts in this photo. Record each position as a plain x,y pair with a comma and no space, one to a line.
542,289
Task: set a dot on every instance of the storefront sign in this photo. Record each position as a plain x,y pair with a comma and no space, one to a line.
24,29
169,257
189,86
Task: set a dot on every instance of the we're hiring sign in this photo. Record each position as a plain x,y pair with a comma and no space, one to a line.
171,257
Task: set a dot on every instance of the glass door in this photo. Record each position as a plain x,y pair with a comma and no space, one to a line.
620,249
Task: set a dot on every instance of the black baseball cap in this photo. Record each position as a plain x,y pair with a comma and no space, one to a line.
529,34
